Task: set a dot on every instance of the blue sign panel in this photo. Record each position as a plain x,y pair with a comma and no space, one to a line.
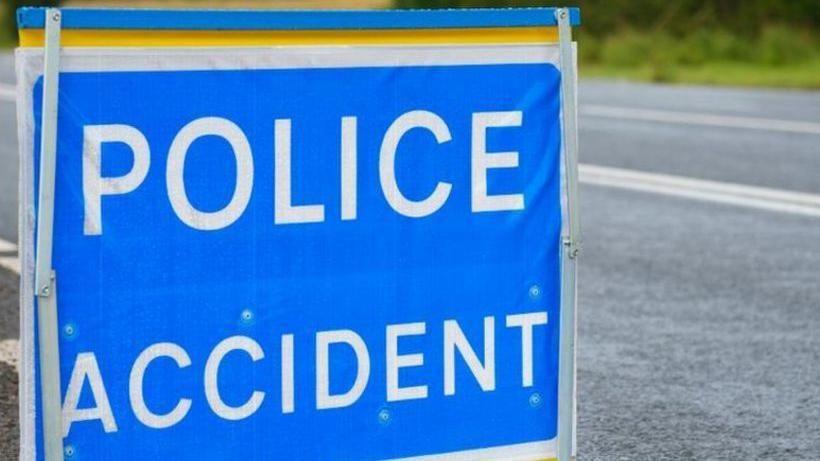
308,263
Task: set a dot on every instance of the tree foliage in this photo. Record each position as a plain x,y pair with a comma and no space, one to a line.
679,17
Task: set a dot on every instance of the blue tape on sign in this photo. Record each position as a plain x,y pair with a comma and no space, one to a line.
323,263
28,18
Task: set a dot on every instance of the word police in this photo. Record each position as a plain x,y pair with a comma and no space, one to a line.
455,345
95,186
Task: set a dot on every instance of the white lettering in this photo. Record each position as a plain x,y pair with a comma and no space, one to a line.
395,361
223,410
454,339
94,185
387,164
324,339
288,405
526,322
135,383
483,161
174,174
349,168
283,209
85,367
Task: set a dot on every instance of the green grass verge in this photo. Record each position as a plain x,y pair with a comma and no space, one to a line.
779,56
795,75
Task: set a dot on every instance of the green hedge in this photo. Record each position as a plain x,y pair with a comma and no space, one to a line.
680,17
748,42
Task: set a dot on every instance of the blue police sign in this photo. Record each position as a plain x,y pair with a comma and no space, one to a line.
325,252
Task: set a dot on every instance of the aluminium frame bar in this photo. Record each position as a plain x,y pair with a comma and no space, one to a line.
570,241
45,282
295,20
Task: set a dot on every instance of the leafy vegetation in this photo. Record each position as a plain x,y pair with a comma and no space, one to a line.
732,42
778,56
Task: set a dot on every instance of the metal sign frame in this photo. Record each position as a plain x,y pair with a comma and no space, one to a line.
45,280
571,241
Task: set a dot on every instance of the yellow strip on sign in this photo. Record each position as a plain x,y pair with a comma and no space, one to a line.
214,38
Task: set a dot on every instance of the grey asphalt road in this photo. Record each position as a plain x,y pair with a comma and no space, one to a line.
780,160
6,67
8,153
698,320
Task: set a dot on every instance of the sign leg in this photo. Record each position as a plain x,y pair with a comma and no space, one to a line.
569,135
45,280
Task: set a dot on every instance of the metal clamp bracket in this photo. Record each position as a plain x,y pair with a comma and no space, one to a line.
573,247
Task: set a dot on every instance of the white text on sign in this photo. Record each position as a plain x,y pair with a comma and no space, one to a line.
455,345
96,186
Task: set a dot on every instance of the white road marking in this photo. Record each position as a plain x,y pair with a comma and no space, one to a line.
698,189
9,348
8,92
9,351
10,262
6,246
693,118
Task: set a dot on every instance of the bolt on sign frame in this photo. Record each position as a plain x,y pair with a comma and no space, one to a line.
55,41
